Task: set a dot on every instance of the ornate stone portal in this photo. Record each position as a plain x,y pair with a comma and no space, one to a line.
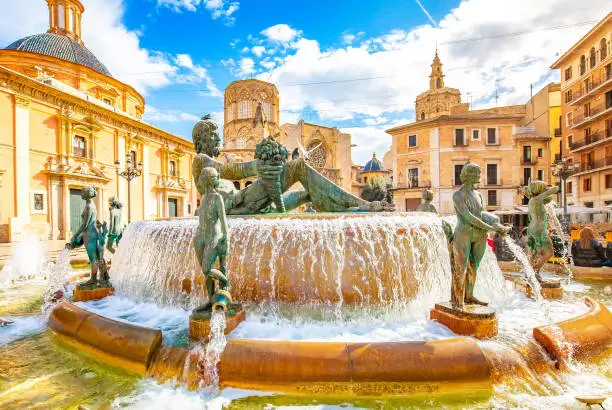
92,234
465,314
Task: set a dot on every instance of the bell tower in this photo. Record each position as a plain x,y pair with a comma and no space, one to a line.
436,78
65,18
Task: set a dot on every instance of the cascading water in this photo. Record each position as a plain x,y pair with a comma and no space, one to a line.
58,276
355,259
555,224
530,274
27,261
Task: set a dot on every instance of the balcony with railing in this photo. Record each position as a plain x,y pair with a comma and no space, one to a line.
591,114
591,166
597,84
414,183
596,138
529,161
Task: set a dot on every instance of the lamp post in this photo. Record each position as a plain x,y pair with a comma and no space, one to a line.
131,172
563,169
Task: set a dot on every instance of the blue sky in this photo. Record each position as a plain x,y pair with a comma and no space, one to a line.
357,65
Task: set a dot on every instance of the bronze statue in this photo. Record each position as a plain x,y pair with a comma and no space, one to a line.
212,241
470,236
115,230
427,205
539,243
92,234
262,195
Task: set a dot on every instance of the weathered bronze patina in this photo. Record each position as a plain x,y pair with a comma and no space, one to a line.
115,230
539,244
427,205
275,178
470,236
212,241
92,234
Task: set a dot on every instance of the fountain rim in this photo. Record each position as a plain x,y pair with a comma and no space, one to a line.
313,215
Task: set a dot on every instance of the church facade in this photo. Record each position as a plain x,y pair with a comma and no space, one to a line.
66,123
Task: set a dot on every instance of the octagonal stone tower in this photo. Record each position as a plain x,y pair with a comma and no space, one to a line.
243,125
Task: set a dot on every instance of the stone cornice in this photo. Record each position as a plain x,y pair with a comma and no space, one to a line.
27,89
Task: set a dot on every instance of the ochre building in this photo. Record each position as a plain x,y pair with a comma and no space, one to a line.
64,124
510,148
251,112
586,87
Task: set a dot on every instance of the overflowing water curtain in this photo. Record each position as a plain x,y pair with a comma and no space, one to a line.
356,259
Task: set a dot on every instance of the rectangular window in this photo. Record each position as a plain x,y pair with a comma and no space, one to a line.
491,174
609,181
78,146
540,152
526,176
172,168
458,169
540,175
39,204
586,110
527,154
568,187
492,136
412,141
412,177
569,119
570,141
476,135
588,204
245,110
608,99
492,198
586,185
568,73
230,112
460,137
568,96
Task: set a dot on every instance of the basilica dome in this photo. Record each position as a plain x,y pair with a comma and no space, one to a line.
373,165
60,46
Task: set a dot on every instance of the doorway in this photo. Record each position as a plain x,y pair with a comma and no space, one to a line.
172,207
77,205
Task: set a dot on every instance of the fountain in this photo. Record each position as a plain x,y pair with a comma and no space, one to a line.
332,306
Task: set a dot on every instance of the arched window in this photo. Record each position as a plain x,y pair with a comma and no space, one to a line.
603,49
230,112
172,168
317,157
423,115
438,83
582,64
266,109
71,22
245,110
592,58
78,146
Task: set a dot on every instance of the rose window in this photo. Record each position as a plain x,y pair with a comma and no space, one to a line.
316,155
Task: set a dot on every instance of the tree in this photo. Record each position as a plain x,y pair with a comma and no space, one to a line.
375,190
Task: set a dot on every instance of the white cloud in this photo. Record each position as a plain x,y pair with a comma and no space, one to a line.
368,140
102,26
281,33
217,8
258,50
153,114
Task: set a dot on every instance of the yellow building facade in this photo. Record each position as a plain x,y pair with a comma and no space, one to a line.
586,87
64,122
430,152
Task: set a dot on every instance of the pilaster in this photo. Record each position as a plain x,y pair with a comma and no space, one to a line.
22,158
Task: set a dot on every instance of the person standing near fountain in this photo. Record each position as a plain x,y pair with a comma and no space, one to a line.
115,230
538,241
470,236
92,237
212,241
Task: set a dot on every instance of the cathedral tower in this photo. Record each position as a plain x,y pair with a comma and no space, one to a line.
438,100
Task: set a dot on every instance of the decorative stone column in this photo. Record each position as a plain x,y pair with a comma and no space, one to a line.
22,158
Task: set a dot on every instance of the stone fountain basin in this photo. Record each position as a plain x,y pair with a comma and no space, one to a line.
332,368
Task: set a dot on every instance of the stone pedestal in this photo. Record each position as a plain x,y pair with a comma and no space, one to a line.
199,323
83,295
550,288
472,320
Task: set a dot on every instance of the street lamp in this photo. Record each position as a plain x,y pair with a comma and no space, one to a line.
563,169
131,172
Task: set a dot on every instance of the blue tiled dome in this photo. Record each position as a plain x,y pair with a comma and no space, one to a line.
373,165
62,47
